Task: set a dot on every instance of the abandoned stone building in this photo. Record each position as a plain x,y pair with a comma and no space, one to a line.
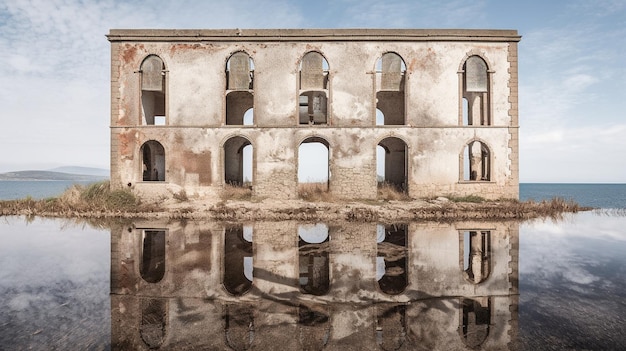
431,112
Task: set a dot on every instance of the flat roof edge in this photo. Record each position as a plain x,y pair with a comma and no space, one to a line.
268,35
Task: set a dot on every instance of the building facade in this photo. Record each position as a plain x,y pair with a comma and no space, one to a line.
194,110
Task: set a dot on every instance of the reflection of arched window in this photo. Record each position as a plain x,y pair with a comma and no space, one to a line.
475,85
475,320
239,327
152,266
390,79
313,253
476,253
391,258
391,327
153,91
238,267
314,327
153,161
391,164
153,322
476,162
238,161
313,162
240,87
313,96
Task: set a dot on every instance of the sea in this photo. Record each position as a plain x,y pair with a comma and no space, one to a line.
35,189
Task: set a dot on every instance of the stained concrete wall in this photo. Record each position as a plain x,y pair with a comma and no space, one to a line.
195,129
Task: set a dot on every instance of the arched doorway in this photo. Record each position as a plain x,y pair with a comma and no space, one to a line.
391,163
153,161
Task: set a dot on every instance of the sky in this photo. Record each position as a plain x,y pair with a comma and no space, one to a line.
55,70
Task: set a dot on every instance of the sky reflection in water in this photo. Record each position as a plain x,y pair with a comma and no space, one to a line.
572,286
54,285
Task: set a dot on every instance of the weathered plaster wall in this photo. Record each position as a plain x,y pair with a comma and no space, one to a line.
195,129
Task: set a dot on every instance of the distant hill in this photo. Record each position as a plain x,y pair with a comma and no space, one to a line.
100,172
50,175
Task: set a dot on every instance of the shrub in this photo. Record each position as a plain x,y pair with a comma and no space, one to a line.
387,191
468,198
315,192
236,192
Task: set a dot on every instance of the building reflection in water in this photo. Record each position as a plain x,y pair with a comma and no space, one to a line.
238,260
313,257
391,261
314,286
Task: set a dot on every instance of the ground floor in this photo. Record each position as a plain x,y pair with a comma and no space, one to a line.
350,163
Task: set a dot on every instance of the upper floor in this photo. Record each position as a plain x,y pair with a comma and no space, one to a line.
322,78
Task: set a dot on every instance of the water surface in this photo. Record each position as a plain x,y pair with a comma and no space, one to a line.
55,285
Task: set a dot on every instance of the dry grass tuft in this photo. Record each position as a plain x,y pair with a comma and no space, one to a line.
236,192
390,192
77,199
315,192
468,198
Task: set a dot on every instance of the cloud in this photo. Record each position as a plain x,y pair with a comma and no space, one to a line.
409,14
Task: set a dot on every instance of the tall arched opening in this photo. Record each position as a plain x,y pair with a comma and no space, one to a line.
238,161
153,161
313,165
391,163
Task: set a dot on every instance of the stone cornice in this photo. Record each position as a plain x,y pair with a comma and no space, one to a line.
311,35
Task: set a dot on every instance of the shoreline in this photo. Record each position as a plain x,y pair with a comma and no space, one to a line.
440,209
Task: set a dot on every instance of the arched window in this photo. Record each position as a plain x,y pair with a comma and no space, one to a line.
153,161
391,258
476,254
313,252
239,88
390,81
153,91
238,264
313,166
152,268
476,162
313,92
391,163
238,161
475,319
476,92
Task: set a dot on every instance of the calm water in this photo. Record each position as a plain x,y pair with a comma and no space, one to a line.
67,285
36,189
592,195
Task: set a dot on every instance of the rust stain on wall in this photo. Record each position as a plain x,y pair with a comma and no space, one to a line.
198,164
127,143
129,53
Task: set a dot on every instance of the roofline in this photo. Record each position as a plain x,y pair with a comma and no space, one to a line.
306,35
